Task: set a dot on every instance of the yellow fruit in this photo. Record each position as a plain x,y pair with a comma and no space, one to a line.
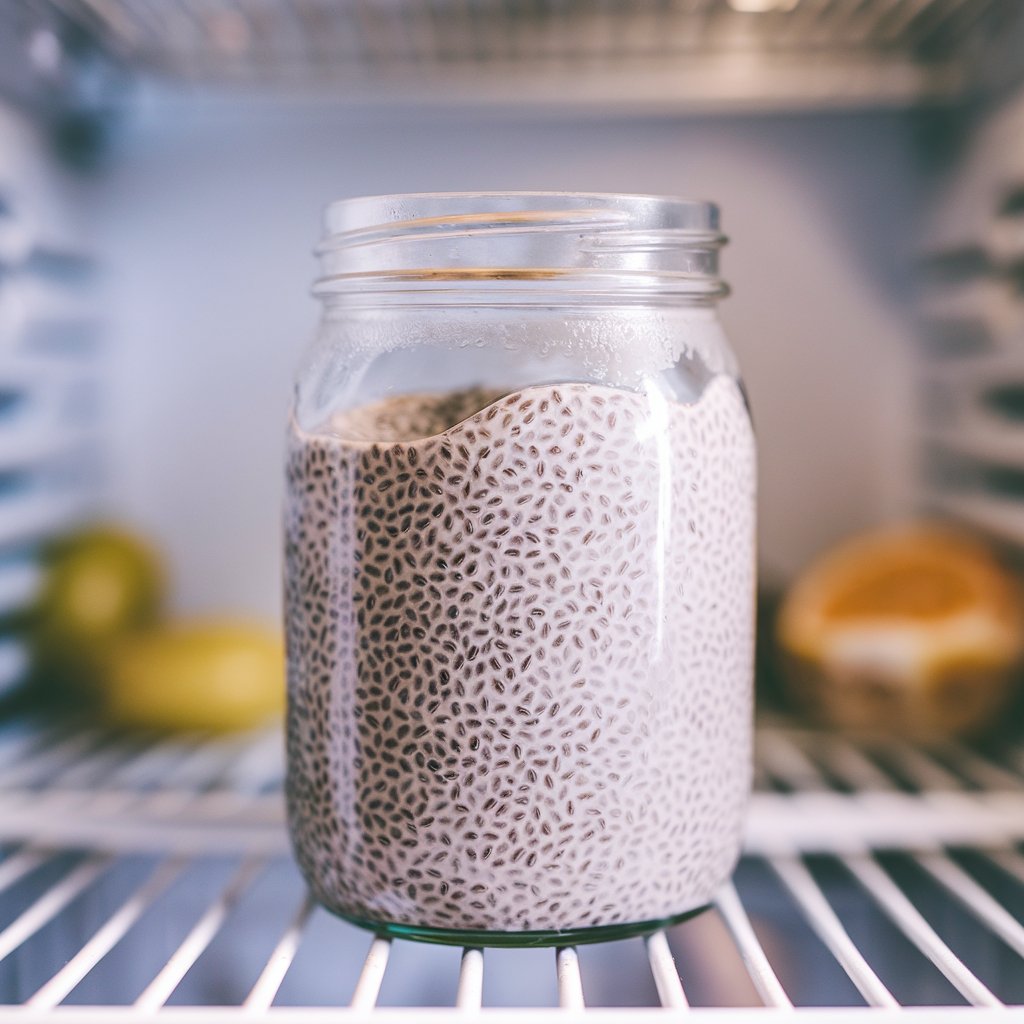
102,582
196,676
916,630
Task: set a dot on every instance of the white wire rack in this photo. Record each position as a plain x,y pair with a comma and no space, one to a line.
688,52
142,876
48,368
973,445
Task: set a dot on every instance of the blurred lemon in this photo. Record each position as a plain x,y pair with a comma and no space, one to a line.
102,582
196,676
916,630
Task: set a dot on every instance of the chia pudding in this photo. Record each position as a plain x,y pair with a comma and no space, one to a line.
520,641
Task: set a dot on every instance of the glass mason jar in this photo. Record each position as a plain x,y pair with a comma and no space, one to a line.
520,575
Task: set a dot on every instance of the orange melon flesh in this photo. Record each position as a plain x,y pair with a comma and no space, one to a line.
915,590
909,608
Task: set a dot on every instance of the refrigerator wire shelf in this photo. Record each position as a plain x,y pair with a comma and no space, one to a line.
141,875
655,52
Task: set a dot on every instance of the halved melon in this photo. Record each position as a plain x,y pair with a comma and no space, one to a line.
916,630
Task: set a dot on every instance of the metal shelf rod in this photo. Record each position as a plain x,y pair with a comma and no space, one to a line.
16,748
372,975
160,989
1010,861
980,770
910,921
471,980
19,864
891,898
823,920
923,771
570,983
262,994
666,977
782,758
105,760
51,903
768,986
47,759
854,767
109,934
976,899
150,766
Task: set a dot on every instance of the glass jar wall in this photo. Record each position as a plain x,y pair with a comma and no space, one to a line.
519,569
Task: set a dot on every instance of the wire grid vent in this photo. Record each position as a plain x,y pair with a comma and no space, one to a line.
49,330
141,876
715,51
973,372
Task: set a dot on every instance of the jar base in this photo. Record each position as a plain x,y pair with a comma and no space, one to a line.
567,937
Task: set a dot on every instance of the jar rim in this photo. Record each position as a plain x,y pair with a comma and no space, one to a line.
427,240
403,211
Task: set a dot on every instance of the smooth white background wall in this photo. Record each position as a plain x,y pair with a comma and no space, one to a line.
210,208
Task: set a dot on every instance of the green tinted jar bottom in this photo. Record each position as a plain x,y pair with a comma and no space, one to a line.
568,937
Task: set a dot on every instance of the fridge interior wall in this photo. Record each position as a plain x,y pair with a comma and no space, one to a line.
50,389
973,329
203,216
209,208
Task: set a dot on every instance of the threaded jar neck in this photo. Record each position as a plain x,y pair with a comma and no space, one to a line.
519,247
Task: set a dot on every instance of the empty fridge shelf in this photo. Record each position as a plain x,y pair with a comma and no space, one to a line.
711,53
142,875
